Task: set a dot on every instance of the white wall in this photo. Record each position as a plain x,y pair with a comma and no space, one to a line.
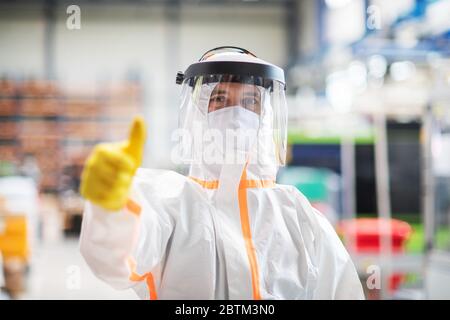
21,41
116,39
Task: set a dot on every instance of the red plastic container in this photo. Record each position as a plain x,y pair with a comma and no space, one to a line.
367,234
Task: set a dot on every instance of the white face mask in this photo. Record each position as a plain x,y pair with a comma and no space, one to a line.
235,121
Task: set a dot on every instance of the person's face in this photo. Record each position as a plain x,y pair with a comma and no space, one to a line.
228,94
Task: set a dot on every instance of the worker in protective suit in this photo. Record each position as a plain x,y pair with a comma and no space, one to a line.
226,231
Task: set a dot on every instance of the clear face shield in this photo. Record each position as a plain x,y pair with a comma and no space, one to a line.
234,117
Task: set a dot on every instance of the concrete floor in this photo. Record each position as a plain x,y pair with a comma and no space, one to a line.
58,271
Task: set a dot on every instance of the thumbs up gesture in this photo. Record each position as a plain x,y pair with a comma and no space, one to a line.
109,170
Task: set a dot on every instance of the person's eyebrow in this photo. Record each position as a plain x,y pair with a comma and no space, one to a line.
220,91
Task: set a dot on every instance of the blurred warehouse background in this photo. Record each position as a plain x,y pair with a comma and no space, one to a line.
369,123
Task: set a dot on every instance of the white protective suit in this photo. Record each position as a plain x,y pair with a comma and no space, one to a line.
225,232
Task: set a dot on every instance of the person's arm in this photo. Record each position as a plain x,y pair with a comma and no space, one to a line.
121,231
122,247
107,242
338,278
336,275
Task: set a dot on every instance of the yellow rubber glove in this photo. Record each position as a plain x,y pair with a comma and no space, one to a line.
109,170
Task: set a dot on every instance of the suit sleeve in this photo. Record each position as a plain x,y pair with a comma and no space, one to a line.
336,275
338,278
122,247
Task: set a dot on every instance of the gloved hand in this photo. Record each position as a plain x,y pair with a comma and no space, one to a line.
110,168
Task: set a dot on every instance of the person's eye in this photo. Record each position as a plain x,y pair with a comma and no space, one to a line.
250,102
218,99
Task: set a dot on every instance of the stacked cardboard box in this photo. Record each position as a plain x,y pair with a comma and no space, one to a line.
8,125
59,127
